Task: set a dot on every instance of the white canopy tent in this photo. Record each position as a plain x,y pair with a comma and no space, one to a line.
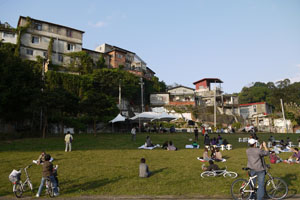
145,116
118,118
164,117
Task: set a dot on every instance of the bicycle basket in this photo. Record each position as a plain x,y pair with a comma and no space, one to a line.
14,176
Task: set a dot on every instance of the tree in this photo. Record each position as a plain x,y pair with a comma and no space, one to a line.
101,62
98,106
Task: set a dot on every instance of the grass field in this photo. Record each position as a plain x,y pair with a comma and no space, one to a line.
108,165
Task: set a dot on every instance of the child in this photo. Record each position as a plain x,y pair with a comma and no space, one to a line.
144,170
211,166
274,159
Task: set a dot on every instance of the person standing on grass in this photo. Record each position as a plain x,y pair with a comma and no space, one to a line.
133,134
68,141
47,172
196,133
257,165
144,169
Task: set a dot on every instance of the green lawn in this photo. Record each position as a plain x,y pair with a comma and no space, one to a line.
108,165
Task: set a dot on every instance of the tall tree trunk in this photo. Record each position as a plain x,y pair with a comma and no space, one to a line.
95,122
45,124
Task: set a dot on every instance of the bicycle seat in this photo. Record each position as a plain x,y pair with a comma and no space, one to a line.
246,168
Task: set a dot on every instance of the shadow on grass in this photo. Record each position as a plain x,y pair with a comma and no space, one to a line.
158,171
288,178
91,185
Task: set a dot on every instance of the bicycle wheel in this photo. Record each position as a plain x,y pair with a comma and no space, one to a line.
18,190
207,174
240,189
230,175
49,188
276,188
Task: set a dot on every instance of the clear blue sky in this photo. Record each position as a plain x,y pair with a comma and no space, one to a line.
238,41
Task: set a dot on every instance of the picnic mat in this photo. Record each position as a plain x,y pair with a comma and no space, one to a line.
149,148
198,158
189,146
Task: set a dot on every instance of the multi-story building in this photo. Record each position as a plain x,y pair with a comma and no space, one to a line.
35,41
182,95
204,92
95,55
122,58
7,33
253,110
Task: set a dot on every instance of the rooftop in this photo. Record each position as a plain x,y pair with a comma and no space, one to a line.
37,20
210,80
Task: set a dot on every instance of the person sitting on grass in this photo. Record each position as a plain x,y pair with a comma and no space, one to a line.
274,159
144,170
295,158
195,144
218,155
171,147
211,166
47,172
165,145
205,155
149,142
225,142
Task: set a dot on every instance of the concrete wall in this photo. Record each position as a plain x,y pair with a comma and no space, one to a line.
159,99
7,37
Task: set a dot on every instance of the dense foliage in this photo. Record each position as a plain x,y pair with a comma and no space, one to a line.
63,98
272,93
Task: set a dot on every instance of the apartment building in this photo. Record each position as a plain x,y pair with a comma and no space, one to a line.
127,60
7,33
36,39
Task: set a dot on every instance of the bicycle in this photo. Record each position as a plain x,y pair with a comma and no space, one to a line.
49,187
275,188
18,186
220,172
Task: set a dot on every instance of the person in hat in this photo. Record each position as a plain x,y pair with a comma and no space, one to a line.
68,141
257,165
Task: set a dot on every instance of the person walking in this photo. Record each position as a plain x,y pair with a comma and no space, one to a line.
196,133
257,164
68,141
133,134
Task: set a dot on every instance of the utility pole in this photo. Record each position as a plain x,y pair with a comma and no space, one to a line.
142,93
215,108
142,101
120,93
284,121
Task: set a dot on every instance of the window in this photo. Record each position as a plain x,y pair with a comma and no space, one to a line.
45,54
69,33
9,35
71,47
37,26
35,40
119,56
254,108
60,58
29,52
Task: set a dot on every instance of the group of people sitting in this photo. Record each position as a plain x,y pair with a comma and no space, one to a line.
215,155
215,141
168,145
